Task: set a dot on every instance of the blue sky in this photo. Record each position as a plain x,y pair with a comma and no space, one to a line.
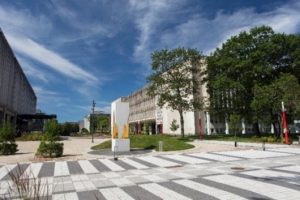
74,51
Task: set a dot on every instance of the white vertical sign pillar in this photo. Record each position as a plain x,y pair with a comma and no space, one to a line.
208,123
243,126
226,125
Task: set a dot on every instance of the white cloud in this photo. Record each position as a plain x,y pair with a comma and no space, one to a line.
32,71
150,14
200,32
46,96
23,22
33,50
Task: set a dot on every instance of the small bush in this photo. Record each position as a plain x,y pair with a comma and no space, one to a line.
7,140
174,126
271,139
52,131
50,149
84,131
8,148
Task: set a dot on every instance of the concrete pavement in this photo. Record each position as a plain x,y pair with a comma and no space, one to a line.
243,174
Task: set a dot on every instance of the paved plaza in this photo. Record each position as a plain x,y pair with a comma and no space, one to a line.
243,174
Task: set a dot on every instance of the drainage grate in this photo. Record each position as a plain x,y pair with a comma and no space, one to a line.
237,168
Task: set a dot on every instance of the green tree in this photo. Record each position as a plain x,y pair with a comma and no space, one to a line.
52,131
67,128
49,147
174,126
103,123
248,59
174,80
235,124
267,100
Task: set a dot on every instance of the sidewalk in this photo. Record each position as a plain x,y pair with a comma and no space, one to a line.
250,144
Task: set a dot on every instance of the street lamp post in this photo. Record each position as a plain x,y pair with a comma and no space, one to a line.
92,120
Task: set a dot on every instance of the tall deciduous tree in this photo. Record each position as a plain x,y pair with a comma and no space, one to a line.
251,58
174,80
267,100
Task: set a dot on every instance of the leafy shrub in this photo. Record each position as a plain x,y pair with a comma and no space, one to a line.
84,131
271,139
7,140
8,148
52,131
174,126
7,133
50,149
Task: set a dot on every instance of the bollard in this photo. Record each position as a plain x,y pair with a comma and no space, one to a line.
160,146
116,153
235,144
263,145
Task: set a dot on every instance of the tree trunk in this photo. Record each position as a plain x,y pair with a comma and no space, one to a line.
256,129
181,123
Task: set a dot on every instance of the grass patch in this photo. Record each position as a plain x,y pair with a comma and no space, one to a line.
34,136
171,143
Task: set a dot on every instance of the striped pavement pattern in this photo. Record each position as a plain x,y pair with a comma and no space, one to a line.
103,179
65,168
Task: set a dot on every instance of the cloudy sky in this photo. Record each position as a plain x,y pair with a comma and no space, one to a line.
74,51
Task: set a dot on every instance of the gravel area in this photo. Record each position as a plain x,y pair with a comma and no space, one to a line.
74,148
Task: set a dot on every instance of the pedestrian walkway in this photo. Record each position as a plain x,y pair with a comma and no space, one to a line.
173,176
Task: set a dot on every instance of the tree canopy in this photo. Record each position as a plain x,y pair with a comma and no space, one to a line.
247,62
174,80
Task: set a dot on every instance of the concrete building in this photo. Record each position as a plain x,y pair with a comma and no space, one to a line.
16,94
146,117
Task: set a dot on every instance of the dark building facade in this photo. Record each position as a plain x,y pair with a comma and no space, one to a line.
16,94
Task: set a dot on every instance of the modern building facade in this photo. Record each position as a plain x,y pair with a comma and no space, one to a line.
146,117
16,94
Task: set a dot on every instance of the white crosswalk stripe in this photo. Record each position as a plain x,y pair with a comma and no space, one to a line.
87,167
115,194
111,165
61,168
32,170
267,189
4,187
163,192
186,159
214,157
295,168
5,170
254,154
158,161
217,193
286,150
